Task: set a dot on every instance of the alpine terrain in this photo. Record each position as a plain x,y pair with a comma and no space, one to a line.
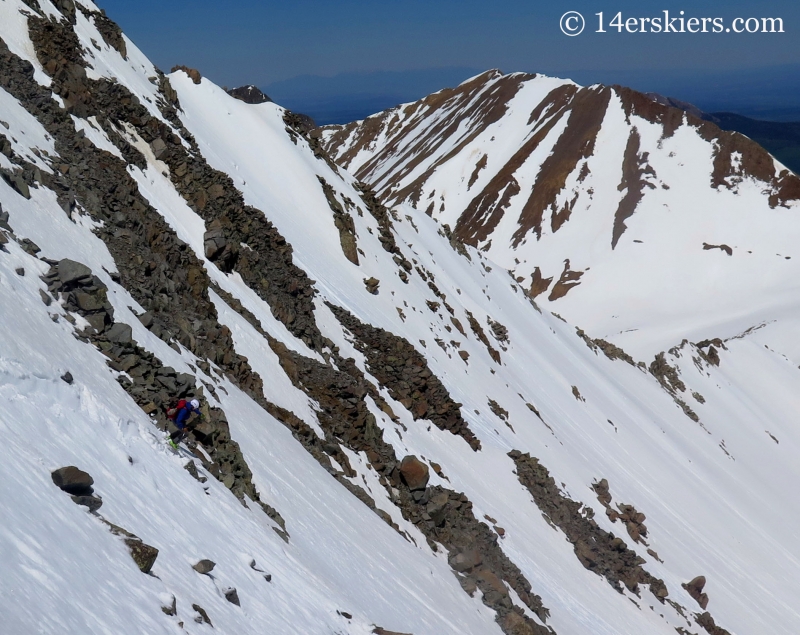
518,358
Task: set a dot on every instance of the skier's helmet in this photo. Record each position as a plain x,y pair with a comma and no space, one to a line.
195,403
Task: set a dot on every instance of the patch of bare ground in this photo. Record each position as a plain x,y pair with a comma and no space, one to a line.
722,247
586,113
598,550
480,165
737,157
495,90
539,283
484,212
634,170
568,280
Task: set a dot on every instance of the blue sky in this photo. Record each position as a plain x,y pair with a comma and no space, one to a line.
264,42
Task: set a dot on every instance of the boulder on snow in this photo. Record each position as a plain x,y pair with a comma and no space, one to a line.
73,481
143,555
414,473
695,588
203,616
214,242
372,285
67,377
70,271
204,566
232,596
170,606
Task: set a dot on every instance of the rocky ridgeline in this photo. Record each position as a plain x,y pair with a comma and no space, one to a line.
151,384
596,549
399,367
343,221
156,267
670,380
266,265
443,516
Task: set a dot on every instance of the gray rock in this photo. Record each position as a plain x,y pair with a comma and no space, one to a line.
172,608
92,502
203,616
73,481
97,321
204,566
70,271
67,377
19,271
120,333
159,147
18,183
232,596
87,302
466,560
45,297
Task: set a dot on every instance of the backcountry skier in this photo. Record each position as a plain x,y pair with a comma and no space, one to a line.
180,415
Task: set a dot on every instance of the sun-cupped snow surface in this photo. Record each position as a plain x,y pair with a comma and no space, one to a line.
705,487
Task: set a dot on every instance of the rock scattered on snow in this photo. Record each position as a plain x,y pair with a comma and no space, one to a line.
203,616
92,502
170,607
232,596
73,481
204,566
143,555
414,472
695,588
372,285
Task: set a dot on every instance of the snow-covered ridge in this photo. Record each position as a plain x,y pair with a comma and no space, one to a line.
618,211
329,338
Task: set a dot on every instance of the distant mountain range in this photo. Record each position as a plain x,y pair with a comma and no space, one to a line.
760,105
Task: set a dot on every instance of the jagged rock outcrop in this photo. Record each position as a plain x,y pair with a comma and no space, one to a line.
249,94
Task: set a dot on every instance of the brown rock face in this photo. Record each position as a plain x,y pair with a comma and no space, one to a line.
695,588
193,73
414,472
143,554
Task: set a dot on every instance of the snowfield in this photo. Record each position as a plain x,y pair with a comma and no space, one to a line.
718,492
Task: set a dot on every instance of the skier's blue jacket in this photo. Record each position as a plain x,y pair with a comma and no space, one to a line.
183,414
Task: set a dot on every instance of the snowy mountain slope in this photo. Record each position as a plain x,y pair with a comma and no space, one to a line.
248,264
620,212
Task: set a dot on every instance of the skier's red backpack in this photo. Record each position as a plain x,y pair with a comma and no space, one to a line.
173,412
